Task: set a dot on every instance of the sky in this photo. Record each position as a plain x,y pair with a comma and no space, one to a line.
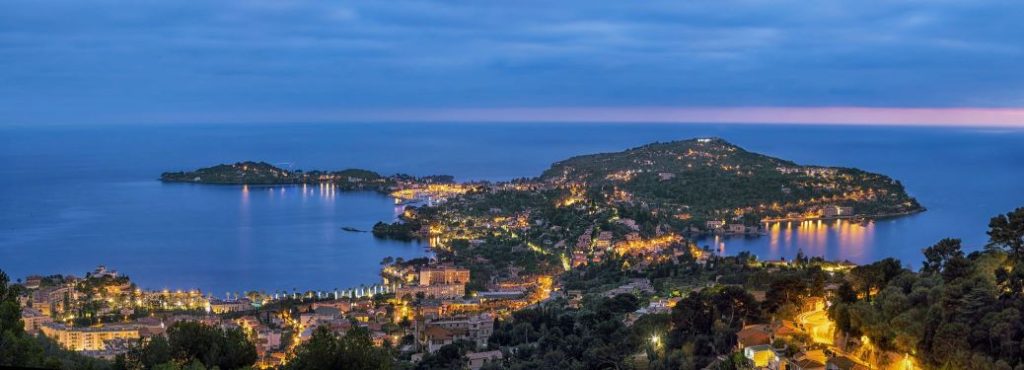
944,62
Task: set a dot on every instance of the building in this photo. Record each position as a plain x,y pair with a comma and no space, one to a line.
33,319
836,211
50,300
443,275
268,340
477,328
101,271
477,360
806,364
435,337
604,240
440,291
761,355
753,335
33,281
218,306
714,224
88,339
844,363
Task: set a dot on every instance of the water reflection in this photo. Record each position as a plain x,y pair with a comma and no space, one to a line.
835,239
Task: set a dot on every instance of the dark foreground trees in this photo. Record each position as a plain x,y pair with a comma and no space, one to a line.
354,350
192,345
959,312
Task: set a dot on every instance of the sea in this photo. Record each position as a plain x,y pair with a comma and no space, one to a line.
74,197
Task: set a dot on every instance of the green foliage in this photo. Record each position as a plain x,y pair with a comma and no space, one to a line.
1007,232
552,336
704,324
405,231
190,345
710,177
326,351
958,312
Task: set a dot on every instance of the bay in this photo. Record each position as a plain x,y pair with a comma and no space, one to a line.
73,197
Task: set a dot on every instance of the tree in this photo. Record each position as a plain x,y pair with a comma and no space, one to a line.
195,344
1007,232
354,350
938,255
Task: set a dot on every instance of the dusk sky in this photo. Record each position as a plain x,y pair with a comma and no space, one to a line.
136,62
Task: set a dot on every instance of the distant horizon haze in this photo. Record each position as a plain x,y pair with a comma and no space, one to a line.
977,117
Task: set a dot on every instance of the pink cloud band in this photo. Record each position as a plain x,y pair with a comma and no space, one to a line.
971,117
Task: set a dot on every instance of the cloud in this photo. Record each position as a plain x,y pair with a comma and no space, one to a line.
65,60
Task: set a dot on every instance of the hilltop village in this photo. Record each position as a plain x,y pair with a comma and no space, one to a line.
590,265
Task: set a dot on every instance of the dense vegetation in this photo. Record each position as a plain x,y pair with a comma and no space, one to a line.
327,351
711,178
406,231
958,312
191,345
552,336
262,173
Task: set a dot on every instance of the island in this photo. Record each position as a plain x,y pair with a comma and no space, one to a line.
263,173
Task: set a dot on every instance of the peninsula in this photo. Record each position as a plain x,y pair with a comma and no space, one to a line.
702,185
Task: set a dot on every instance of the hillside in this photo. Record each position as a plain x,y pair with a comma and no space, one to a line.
255,173
707,179
262,173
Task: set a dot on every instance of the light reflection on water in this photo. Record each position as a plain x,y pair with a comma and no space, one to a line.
836,239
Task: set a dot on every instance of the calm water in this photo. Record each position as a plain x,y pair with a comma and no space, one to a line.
73,198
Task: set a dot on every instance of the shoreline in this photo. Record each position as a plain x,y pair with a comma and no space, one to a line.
865,217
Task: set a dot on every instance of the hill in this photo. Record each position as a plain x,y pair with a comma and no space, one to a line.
707,179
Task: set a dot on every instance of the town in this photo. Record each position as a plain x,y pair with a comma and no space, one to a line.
648,303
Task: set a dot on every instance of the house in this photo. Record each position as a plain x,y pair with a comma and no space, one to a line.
268,340
844,363
604,240
326,313
630,223
435,337
714,224
836,211
753,335
815,355
477,360
477,328
806,364
736,229
33,319
33,281
785,329
760,355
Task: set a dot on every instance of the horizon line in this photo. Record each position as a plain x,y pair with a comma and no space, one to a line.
974,117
